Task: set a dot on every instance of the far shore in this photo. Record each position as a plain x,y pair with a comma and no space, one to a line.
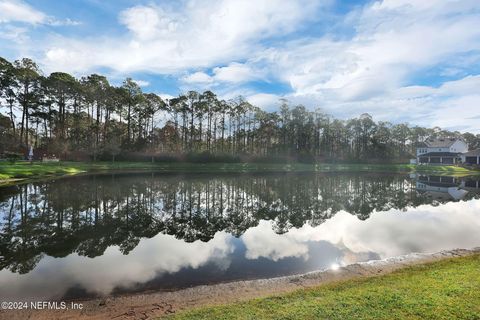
25,171
225,297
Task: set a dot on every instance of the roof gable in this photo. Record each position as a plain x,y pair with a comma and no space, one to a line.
441,142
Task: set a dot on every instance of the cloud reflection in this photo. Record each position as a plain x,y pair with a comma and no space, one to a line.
161,254
391,233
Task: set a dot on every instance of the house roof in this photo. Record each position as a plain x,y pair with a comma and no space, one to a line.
440,142
472,153
440,154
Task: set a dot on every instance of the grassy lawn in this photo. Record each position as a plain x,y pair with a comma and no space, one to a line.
37,170
448,289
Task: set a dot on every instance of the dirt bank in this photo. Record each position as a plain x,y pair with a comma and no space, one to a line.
152,305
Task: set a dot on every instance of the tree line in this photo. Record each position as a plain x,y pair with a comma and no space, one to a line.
64,115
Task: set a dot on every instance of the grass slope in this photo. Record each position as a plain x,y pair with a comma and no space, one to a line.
448,289
36,170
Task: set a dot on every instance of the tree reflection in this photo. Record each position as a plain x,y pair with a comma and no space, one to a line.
88,214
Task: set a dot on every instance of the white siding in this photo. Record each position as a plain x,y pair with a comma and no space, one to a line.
459,146
421,151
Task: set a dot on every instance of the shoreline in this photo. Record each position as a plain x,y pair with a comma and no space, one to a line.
11,174
157,304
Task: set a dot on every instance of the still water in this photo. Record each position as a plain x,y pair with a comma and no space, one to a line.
94,235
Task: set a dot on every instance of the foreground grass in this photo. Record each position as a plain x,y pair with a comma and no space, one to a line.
37,170
448,289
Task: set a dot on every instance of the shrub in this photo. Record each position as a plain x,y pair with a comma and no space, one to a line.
270,159
13,157
306,158
205,157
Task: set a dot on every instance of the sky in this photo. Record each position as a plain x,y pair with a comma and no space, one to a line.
411,61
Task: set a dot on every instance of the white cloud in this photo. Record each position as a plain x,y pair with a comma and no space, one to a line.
65,22
17,18
11,11
393,41
142,83
19,11
236,73
13,33
265,101
198,78
147,22
233,74
196,34
165,96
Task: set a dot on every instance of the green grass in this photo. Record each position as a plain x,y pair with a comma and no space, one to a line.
448,289
24,170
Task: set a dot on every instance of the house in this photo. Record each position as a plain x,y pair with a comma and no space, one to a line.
441,151
471,157
440,188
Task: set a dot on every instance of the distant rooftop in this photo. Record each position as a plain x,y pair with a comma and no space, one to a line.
472,153
440,142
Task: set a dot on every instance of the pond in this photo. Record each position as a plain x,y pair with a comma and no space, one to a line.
94,235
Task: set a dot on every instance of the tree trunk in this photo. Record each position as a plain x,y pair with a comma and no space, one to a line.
128,121
12,119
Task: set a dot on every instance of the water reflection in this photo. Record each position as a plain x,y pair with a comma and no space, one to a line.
155,231
447,188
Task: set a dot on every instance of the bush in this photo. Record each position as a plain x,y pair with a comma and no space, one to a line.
166,158
13,157
306,158
281,159
270,159
205,157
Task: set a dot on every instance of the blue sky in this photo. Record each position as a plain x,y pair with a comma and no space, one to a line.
410,61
